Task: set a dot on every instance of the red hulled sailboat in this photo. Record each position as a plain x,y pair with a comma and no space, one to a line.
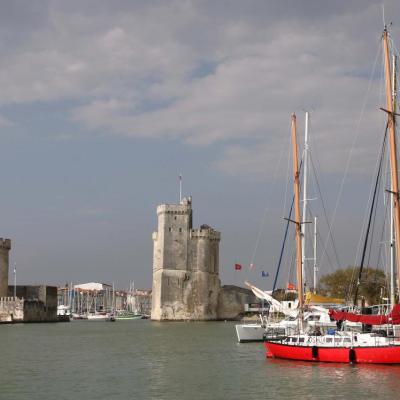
381,346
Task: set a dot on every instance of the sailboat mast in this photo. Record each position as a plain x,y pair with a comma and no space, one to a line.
393,151
392,238
303,226
315,255
297,213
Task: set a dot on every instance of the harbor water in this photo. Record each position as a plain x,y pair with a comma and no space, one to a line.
141,359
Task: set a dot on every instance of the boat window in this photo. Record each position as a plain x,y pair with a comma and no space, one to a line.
313,318
328,340
346,340
294,340
338,339
301,340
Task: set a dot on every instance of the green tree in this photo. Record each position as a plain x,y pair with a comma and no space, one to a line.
342,284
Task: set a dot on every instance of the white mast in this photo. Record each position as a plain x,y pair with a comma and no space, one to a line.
392,234
180,188
303,225
15,281
315,255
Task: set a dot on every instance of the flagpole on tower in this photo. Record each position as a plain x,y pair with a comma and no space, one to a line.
180,188
15,280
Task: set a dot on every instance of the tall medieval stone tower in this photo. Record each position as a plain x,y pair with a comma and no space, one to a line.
5,246
185,266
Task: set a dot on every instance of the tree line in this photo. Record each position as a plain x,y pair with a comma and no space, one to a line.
373,285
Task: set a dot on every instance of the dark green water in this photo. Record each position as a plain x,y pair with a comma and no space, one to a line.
147,360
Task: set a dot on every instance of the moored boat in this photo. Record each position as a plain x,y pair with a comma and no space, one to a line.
126,315
376,347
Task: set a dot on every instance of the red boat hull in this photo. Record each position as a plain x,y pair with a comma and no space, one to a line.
367,355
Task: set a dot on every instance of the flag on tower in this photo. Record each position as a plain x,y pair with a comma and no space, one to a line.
264,274
251,266
238,267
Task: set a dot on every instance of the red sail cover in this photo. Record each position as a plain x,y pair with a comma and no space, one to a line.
392,318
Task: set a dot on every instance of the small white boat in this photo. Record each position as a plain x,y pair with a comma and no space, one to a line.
98,317
250,332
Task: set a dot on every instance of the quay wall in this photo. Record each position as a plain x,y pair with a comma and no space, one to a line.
39,303
231,301
11,309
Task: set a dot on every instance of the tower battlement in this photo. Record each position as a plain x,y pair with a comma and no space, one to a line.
209,233
184,207
5,243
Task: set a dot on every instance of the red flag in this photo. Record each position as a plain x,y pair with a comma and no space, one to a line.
291,286
238,266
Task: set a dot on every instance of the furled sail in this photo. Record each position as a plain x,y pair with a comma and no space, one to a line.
267,297
392,318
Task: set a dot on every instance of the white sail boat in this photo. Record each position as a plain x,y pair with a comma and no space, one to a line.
254,332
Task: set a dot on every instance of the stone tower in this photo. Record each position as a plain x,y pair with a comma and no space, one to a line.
5,246
185,266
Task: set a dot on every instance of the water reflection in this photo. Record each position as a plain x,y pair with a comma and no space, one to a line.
337,380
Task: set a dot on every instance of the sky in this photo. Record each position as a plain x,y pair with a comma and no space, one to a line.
103,104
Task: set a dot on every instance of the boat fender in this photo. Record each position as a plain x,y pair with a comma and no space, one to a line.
352,356
314,352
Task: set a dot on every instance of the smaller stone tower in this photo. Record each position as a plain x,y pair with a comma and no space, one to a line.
5,246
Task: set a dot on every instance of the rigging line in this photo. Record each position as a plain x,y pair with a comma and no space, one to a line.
263,220
283,246
287,177
327,255
363,228
353,144
382,236
370,216
284,239
353,277
330,233
374,221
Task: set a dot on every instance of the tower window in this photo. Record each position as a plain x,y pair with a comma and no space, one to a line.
170,229
175,218
180,229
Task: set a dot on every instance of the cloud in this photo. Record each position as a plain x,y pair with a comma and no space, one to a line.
5,122
204,72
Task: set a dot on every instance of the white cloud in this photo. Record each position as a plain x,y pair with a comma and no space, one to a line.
137,71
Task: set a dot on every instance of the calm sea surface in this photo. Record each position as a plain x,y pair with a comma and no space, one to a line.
148,360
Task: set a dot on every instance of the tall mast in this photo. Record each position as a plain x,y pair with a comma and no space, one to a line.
303,226
392,238
393,151
297,214
315,256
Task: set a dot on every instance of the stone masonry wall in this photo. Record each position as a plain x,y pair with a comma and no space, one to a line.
231,302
